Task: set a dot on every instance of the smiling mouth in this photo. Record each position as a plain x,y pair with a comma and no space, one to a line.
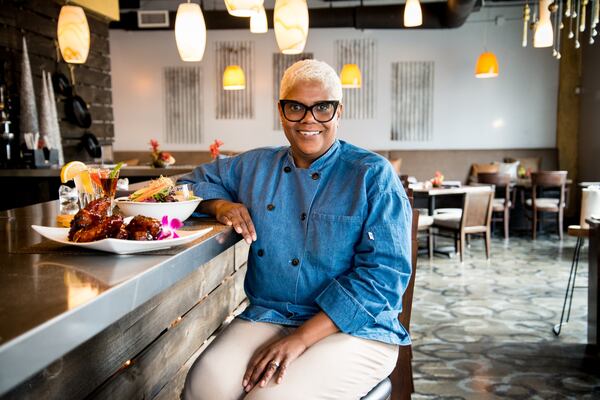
309,133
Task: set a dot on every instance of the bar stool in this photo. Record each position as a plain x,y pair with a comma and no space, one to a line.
590,205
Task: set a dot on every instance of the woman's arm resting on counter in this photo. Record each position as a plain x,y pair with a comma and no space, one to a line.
232,214
286,350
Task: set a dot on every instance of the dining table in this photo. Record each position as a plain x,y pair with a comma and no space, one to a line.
423,192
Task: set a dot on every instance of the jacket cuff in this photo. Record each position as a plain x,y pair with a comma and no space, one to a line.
343,309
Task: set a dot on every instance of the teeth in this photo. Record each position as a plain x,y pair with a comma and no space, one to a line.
309,133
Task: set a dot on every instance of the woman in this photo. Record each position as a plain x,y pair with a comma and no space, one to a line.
329,225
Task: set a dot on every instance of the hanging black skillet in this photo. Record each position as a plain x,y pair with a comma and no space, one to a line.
76,108
90,143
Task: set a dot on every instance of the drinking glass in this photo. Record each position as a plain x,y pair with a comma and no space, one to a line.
85,187
108,184
183,192
68,198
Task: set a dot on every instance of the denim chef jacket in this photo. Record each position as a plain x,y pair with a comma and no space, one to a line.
333,237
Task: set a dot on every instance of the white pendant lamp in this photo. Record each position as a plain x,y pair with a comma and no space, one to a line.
243,8
544,34
190,32
234,78
290,20
351,76
258,22
412,14
73,34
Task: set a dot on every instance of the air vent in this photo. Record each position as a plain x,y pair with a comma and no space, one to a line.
153,19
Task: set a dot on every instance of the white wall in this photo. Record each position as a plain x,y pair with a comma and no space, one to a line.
515,110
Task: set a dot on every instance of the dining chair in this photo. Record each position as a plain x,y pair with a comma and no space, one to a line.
541,182
399,385
590,205
425,231
475,219
501,205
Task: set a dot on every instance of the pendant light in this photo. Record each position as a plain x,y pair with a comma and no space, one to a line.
487,65
351,76
412,14
243,8
290,20
543,35
234,78
73,34
258,22
190,32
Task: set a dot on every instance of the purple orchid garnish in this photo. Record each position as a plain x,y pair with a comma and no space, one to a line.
169,228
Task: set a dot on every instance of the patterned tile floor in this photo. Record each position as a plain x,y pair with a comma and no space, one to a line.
483,329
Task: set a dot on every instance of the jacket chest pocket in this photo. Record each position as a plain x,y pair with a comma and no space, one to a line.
332,239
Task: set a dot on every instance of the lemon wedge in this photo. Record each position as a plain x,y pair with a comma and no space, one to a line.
71,170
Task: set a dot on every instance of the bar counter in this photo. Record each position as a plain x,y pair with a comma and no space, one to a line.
70,322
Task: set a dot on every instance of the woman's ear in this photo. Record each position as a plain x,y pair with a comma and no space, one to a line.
340,110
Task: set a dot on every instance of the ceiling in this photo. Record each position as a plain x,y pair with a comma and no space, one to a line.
359,14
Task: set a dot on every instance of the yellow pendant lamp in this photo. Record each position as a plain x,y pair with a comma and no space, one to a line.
487,65
290,20
351,76
234,78
243,8
190,32
73,34
412,14
543,36
258,22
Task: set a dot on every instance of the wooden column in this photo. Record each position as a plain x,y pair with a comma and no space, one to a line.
567,120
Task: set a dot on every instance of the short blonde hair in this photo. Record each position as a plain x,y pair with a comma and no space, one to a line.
311,71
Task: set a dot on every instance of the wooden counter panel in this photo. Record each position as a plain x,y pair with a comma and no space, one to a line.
84,369
157,365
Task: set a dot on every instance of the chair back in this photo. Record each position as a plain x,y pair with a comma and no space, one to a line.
494,178
500,181
590,205
401,377
477,209
549,179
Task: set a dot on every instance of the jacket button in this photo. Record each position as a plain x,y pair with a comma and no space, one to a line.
287,169
303,216
295,262
260,252
315,176
270,207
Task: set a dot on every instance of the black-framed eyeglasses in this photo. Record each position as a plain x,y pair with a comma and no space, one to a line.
322,111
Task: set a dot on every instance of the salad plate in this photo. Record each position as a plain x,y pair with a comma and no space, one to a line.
120,246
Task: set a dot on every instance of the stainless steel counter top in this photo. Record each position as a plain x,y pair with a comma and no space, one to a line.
129,171
51,303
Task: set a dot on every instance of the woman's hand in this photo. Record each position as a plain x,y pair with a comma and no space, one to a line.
273,359
232,214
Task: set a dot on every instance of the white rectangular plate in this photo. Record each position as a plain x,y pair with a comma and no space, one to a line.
120,246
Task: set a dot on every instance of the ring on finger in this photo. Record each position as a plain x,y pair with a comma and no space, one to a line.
274,364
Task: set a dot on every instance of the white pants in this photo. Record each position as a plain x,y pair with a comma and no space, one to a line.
339,367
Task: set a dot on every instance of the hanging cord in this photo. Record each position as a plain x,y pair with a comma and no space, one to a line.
559,29
526,18
582,15
571,34
577,17
556,15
